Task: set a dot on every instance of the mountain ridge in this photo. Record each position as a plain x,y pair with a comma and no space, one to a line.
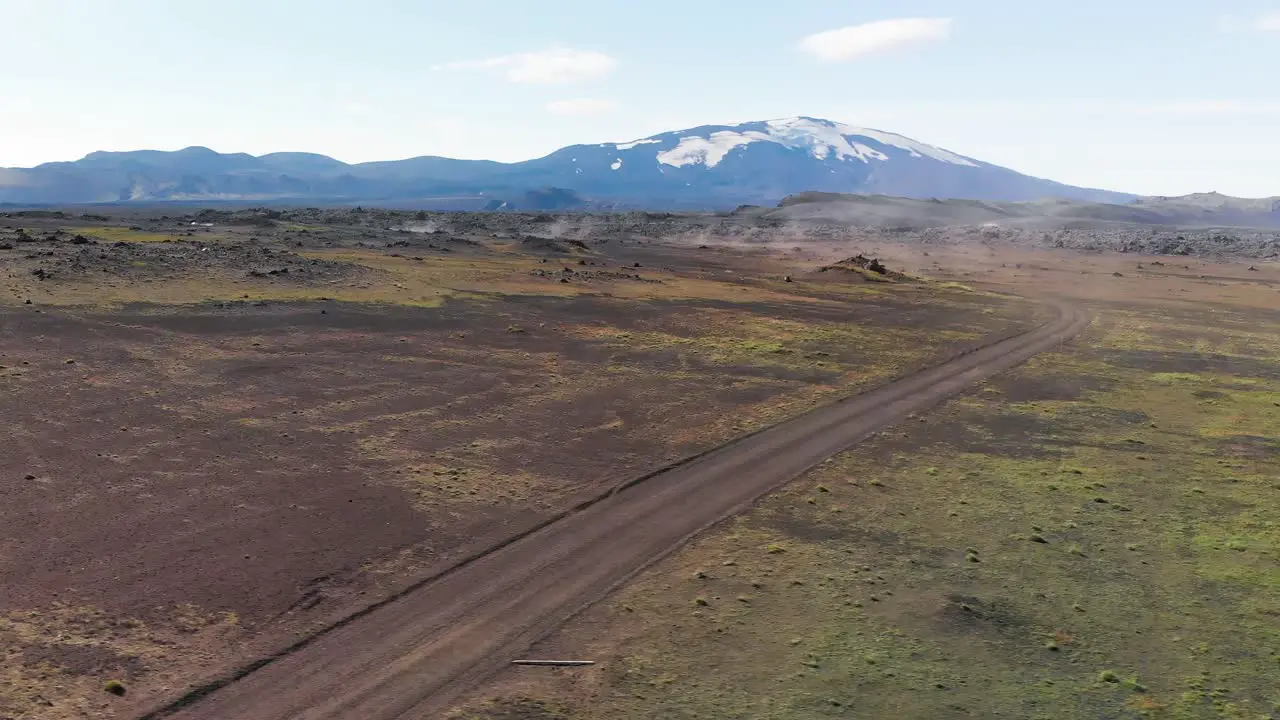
707,167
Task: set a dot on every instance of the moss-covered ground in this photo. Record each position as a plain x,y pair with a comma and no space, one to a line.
1094,535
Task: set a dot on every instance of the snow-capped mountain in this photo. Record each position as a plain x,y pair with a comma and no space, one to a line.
819,138
762,162
710,167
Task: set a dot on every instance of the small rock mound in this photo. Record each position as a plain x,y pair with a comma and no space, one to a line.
543,244
864,265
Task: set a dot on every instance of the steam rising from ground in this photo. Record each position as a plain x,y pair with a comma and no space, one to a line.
833,239
427,227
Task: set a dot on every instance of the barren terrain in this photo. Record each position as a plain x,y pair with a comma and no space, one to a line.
230,432
1090,535
228,436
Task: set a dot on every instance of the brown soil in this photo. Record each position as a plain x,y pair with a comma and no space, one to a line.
203,485
413,656
192,487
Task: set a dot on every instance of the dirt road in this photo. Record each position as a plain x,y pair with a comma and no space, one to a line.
412,657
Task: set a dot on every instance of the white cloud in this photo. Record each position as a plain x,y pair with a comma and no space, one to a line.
1268,23
556,66
1235,24
874,37
579,107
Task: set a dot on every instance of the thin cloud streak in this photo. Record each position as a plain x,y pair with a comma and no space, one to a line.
555,66
872,38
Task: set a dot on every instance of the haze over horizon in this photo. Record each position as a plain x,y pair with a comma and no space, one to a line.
1164,99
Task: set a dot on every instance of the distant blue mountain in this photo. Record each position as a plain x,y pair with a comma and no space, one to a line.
711,167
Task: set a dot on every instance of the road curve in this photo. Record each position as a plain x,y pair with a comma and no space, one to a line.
413,657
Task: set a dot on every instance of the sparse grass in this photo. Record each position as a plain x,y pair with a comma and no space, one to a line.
513,275
124,234
210,286
472,457
508,413
727,337
114,687
1159,602
119,646
400,280
471,474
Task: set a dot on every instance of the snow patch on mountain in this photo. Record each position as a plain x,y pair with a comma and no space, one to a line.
709,151
634,143
822,139
917,149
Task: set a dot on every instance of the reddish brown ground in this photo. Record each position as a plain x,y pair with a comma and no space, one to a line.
188,487
191,486
415,656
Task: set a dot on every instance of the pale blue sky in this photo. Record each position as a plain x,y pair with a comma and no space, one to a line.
1137,95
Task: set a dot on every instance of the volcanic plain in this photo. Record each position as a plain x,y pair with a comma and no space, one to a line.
224,431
